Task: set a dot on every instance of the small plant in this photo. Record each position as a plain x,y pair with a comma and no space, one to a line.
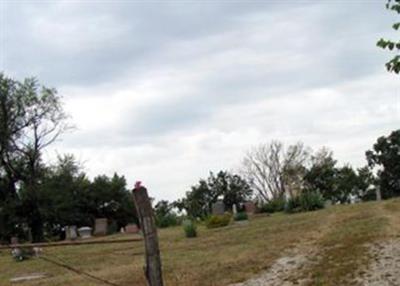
241,216
307,201
275,205
189,228
167,220
21,254
215,221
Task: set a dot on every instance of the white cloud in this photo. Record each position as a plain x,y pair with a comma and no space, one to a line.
167,94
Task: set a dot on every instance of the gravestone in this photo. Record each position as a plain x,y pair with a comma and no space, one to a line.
218,208
85,232
14,240
132,228
71,232
250,207
327,203
100,226
234,209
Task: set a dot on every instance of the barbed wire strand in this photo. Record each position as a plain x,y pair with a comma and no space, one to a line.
77,271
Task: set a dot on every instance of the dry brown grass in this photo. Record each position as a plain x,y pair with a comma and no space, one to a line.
226,255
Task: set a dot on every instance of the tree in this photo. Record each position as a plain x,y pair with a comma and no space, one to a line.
322,174
385,158
109,198
274,171
164,214
394,64
231,188
198,200
346,185
63,195
366,185
31,119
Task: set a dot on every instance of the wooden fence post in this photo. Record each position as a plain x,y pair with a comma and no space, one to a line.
144,209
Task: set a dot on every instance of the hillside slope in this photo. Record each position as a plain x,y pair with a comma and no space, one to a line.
342,245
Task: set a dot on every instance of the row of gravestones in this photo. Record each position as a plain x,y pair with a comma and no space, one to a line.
100,229
218,208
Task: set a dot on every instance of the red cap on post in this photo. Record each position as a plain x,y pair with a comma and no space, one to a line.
138,185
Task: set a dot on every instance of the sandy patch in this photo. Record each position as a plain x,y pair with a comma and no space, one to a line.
384,269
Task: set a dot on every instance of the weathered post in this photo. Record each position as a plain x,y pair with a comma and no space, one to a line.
153,269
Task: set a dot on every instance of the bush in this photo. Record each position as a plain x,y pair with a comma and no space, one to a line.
167,220
189,228
241,216
307,201
275,205
215,221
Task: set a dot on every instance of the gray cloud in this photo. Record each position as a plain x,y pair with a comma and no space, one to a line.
187,81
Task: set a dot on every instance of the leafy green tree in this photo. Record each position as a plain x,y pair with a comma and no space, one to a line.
63,195
346,185
394,64
337,184
164,214
31,119
230,187
321,176
385,157
109,198
198,201
366,185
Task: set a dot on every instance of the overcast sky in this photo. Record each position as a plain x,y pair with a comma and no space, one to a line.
166,91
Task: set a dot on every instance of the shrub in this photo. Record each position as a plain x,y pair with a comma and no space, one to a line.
20,254
189,228
307,201
241,216
112,227
215,221
275,205
170,219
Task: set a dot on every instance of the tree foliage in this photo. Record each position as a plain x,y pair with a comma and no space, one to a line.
232,188
385,158
392,45
164,214
31,118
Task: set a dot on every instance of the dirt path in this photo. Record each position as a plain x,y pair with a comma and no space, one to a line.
384,269
281,272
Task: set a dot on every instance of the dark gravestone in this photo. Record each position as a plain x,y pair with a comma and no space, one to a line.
100,226
250,207
218,208
14,240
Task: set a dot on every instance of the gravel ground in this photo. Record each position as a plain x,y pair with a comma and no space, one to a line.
384,269
280,273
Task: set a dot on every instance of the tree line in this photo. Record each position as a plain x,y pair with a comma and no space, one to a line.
272,175
39,199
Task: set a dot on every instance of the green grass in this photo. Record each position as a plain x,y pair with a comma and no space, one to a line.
225,255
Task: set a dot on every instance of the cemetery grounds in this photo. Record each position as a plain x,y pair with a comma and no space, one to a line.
341,245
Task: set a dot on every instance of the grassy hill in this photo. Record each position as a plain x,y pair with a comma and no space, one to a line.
334,245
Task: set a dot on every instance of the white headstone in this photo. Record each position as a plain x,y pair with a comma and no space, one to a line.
85,232
234,209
